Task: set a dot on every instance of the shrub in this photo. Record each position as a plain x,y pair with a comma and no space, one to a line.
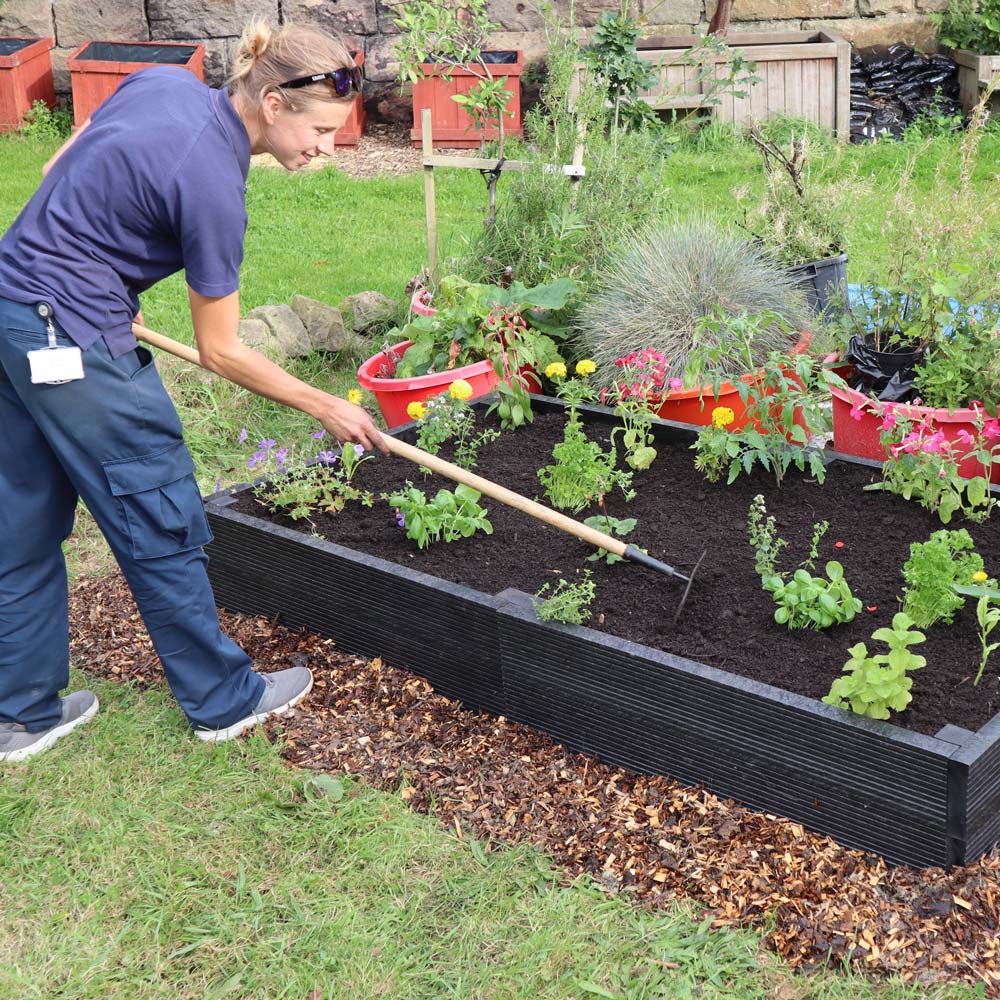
657,292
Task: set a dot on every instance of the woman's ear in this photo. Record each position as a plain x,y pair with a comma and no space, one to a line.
270,106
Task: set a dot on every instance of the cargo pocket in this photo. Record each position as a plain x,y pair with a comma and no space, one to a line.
162,506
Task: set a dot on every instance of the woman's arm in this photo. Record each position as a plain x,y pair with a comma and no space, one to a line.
62,149
216,322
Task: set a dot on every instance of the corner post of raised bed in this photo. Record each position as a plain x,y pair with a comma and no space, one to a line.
428,151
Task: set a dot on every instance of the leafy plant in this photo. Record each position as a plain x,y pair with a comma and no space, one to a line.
636,394
451,515
42,122
924,465
567,602
302,488
987,617
876,685
932,572
970,24
659,288
620,526
804,600
448,417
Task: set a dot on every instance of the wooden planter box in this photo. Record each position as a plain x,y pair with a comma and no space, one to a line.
451,126
354,127
96,68
975,72
916,799
25,77
806,74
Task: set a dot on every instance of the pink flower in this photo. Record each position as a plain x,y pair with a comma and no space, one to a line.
857,411
888,421
964,436
991,429
675,383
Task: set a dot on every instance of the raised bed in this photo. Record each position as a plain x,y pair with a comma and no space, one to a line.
912,797
975,73
25,77
805,74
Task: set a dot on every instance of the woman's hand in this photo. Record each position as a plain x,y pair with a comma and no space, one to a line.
351,424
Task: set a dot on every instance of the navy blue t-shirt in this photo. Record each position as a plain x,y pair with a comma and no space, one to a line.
154,184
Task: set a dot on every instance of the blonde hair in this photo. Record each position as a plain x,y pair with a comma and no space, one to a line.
266,58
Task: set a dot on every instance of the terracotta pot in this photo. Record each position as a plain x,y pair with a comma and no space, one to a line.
25,77
451,125
859,435
96,68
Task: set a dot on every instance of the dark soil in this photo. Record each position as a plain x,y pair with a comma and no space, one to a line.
727,621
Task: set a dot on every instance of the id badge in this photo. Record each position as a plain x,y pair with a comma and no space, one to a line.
55,365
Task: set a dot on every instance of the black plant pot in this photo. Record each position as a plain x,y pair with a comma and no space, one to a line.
824,282
889,374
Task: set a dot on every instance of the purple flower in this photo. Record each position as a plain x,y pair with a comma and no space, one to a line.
359,450
256,458
218,484
400,519
267,444
281,454
243,435
319,435
326,457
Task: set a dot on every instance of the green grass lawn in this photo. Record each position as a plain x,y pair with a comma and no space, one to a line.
136,862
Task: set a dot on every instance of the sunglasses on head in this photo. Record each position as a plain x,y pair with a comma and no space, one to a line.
342,79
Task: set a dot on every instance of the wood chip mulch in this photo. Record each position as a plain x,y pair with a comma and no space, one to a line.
652,838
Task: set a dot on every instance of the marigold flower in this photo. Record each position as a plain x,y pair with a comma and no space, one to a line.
980,577
555,370
355,396
460,389
722,416
585,367
416,410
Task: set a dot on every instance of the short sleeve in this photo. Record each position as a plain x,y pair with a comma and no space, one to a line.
209,216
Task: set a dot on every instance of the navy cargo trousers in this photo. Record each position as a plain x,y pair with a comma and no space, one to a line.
114,440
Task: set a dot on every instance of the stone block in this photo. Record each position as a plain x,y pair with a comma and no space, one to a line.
79,21
932,5
60,74
383,14
254,332
218,58
323,324
765,10
586,12
914,29
364,311
531,43
673,12
178,20
287,336
356,18
761,27
516,15
26,19
381,62
869,7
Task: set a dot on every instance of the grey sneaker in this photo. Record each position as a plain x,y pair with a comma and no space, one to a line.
283,690
16,742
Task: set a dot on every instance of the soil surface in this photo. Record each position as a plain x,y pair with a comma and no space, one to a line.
727,621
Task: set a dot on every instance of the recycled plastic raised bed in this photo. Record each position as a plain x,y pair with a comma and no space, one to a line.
916,797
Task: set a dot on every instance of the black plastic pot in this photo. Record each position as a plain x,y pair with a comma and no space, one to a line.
888,375
824,282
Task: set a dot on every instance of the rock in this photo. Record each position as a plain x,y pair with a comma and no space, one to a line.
26,19
324,325
182,19
914,29
254,332
287,336
353,18
365,310
82,21
762,10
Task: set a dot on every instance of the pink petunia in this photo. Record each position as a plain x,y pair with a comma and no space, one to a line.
675,383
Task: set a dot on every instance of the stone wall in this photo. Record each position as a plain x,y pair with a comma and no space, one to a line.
217,24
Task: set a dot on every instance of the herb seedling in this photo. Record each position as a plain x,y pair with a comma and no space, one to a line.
568,602
932,572
620,526
874,685
448,517
448,417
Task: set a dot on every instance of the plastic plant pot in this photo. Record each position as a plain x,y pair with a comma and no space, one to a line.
857,423
25,77
394,395
96,68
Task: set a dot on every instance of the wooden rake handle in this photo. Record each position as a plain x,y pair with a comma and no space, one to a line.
459,475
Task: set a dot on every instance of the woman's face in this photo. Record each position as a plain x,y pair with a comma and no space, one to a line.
294,138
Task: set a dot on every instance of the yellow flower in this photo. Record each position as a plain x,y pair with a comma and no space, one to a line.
980,577
585,367
556,370
355,396
460,389
416,410
722,416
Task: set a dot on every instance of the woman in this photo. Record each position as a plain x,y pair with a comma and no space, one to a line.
154,183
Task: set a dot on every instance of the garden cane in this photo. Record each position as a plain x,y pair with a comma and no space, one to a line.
485,486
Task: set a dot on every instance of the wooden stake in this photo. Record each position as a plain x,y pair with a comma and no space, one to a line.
428,150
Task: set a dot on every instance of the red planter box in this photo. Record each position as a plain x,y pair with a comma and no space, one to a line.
96,68
25,77
859,434
451,126
352,129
